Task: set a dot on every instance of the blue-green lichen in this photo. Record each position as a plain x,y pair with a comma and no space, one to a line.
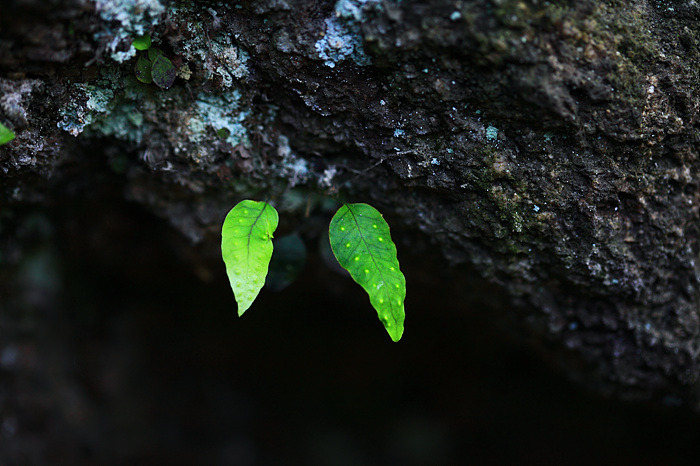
76,116
231,61
217,113
222,57
126,19
108,111
342,38
125,122
294,169
491,133
121,107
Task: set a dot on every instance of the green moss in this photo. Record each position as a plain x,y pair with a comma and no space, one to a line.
509,207
613,35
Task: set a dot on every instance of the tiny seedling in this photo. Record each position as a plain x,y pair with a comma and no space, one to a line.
6,134
360,240
151,65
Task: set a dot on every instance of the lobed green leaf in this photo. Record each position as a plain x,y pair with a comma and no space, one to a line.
246,247
361,242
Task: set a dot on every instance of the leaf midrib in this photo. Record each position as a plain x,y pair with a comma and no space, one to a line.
359,230
250,235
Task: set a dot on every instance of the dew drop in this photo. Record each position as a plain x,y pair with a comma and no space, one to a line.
366,270
347,245
380,238
357,258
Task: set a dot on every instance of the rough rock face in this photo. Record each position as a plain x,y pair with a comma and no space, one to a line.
551,145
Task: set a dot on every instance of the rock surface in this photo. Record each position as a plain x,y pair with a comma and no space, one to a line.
551,148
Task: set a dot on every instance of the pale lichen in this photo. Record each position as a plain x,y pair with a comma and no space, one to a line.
216,113
491,133
293,168
129,19
218,54
76,116
342,38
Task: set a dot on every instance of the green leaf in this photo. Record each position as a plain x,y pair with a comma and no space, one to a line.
143,70
246,247
361,242
142,42
6,134
163,71
154,53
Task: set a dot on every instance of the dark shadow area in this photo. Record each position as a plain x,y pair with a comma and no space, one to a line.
120,345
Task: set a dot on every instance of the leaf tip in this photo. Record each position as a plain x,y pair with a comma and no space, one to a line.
393,327
243,304
395,333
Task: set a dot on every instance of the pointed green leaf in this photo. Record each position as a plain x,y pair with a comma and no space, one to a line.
6,134
361,242
246,247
